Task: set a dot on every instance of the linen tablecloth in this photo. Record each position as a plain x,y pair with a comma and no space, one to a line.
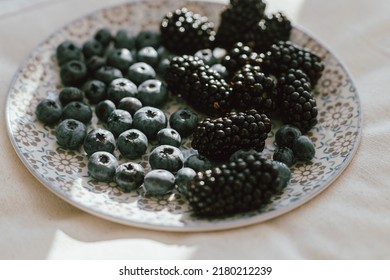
349,220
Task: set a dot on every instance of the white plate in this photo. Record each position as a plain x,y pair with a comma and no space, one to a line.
336,136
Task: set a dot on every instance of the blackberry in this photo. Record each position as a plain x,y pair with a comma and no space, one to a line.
243,185
202,87
238,56
185,32
217,139
269,30
297,104
286,55
252,89
236,20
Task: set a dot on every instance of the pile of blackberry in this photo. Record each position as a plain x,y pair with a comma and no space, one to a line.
124,77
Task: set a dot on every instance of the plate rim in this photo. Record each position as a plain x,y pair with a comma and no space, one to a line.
204,227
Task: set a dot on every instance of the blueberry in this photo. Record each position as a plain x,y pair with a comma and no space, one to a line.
285,155
159,182
94,63
132,143
169,136
284,174
166,157
150,121
95,91
130,104
120,88
48,111
129,176
140,72
92,47
207,56
107,74
69,94
221,70
184,121
120,58
102,166
124,39
103,109
152,93
286,135
73,73
119,121
198,163
241,154
163,65
148,38
183,178
103,36
77,110
70,134
303,148
148,55
67,51
99,139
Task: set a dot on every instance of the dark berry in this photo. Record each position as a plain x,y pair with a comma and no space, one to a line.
285,155
132,143
103,36
184,176
286,135
148,55
184,121
284,174
124,39
77,110
119,121
153,93
130,104
166,157
95,91
129,176
140,72
48,111
67,51
69,94
159,182
148,38
150,121
168,136
99,139
92,47
102,166
107,74
73,73
197,162
121,88
70,134
304,148
120,58
103,109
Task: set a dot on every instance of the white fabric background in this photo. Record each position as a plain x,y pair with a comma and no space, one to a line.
350,220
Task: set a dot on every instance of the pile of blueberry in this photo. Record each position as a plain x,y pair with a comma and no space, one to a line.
118,78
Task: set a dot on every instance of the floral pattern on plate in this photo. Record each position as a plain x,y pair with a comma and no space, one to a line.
336,136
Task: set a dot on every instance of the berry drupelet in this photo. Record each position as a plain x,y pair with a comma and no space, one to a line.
245,184
185,32
217,139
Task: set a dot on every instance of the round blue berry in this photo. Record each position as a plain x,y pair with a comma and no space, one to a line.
149,120
119,121
121,88
166,157
103,35
140,72
286,135
70,134
92,47
77,110
48,111
124,39
148,55
94,63
69,94
129,176
198,163
184,177
99,139
168,136
107,74
184,121
67,51
120,58
284,174
303,148
73,73
152,93
148,38
130,104
103,109
95,91
132,143
285,155
102,166
159,182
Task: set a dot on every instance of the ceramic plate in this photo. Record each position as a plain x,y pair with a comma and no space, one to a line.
64,172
